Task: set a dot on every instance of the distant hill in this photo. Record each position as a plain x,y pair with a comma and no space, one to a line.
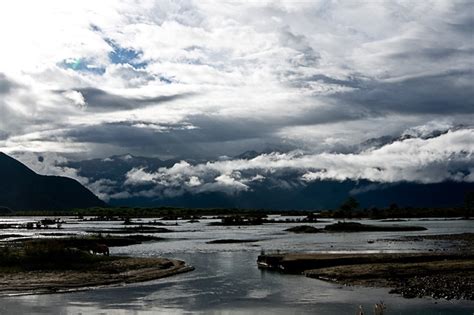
23,189
318,195
281,191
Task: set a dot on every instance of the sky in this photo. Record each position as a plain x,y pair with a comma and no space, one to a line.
302,81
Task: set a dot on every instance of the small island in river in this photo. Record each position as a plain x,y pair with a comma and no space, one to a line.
359,227
61,265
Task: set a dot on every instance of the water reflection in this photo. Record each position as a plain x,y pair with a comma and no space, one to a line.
227,281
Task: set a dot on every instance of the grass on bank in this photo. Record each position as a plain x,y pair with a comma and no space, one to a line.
49,254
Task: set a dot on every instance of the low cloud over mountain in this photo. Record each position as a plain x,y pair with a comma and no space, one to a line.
447,157
424,155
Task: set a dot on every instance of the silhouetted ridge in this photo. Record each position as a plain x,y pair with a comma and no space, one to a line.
23,189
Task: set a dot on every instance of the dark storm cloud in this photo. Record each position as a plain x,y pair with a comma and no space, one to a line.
200,136
136,134
326,80
198,130
100,100
123,134
446,93
342,112
434,54
6,85
464,21
10,120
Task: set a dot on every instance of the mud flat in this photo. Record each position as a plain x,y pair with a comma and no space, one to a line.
296,263
452,279
109,272
461,242
437,275
449,276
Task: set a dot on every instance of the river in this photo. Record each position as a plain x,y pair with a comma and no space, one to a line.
227,281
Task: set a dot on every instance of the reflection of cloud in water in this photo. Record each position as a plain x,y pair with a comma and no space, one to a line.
258,294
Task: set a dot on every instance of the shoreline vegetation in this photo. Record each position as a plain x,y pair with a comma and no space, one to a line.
393,212
359,227
354,227
50,265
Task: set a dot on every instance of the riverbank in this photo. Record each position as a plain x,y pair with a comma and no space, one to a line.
447,279
48,265
113,271
448,276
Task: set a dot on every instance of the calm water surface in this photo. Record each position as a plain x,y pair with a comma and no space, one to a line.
227,280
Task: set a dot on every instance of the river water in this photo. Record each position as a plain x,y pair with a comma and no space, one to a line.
227,281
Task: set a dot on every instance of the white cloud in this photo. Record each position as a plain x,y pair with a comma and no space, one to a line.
76,97
232,181
447,157
138,176
194,181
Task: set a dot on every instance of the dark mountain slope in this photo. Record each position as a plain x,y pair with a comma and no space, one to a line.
23,189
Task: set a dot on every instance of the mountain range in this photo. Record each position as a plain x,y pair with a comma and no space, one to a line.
265,179
23,189
284,192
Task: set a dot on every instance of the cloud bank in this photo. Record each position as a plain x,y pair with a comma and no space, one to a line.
446,157
204,79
